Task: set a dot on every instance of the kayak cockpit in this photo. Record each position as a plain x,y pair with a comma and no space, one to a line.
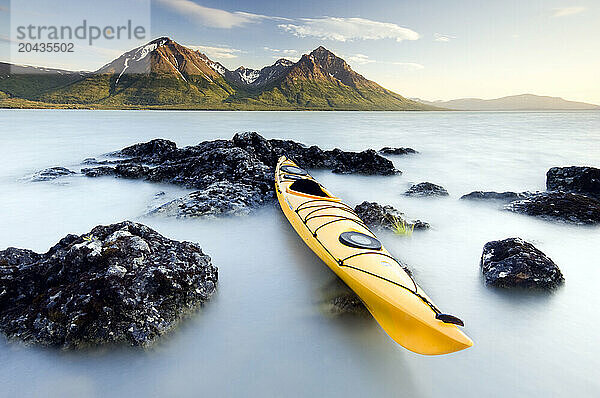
308,187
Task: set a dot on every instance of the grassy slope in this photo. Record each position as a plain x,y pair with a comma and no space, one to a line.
308,94
160,91
33,86
140,91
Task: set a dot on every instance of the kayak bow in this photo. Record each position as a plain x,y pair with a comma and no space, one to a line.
343,241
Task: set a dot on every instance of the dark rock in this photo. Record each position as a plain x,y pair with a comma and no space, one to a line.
582,180
515,263
156,150
239,170
51,173
426,189
366,162
561,206
132,171
378,216
121,283
348,303
397,151
498,196
123,170
98,171
219,198
90,161
420,225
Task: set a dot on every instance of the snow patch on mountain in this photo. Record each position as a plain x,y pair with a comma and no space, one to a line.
248,76
217,67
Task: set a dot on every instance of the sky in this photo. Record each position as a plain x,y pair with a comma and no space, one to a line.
426,49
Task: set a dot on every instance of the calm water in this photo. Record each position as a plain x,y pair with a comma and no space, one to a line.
264,333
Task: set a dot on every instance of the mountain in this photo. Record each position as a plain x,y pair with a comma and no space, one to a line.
256,78
161,72
323,80
523,102
30,82
165,74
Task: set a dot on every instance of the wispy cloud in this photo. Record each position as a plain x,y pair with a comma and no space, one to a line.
217,52
214,17
411,66
443,38
566,11
278,51
345,29
360,59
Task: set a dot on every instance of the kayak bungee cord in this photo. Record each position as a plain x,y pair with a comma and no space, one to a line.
438,314
379,279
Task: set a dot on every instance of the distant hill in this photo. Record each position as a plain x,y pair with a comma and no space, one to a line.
31,82
523,102
165,74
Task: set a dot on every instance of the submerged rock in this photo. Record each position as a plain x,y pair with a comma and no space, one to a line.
397,151
378,216
498,196
582,180
121,283
426,189
240,170
562,206
515,263
348,303
51,173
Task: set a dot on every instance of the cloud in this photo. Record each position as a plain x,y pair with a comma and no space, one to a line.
345,29
214,17
566,11
443,38
285,52
360,59
217,52
411,66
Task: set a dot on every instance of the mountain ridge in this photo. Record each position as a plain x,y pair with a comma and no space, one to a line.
163,73
519,102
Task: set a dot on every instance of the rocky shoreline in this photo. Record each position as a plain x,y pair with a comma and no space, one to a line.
125,283
572,196
231,177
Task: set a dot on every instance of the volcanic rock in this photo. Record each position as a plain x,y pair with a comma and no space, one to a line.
240,170
426,189
515,263
560,206
121,283
387,217
498,196
51,173
581,180
397,151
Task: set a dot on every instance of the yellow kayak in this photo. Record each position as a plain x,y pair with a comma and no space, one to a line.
342,240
